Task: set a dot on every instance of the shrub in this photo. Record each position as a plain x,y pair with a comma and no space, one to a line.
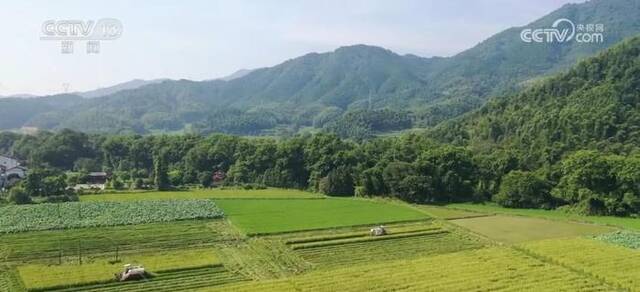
19,196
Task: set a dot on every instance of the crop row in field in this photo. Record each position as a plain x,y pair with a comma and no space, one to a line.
356,234
257,217
49,246
183,280
616,265
492,269
622,238
335,253
20,218
218,193
4,279
360,230
45,277
332,242
9,280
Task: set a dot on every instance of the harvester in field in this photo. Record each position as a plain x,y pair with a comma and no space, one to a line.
131,272
378,231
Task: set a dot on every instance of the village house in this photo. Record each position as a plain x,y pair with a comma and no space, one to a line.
95,180
10,171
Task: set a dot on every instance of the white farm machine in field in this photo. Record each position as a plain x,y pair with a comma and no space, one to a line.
378,231
131,272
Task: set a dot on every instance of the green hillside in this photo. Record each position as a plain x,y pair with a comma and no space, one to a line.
595,105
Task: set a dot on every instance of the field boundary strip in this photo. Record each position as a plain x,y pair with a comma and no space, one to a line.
330,242
263,198
336,227
469,217
354,234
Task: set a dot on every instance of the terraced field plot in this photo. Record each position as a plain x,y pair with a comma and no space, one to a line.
217,193
101,270
274,216
339,250
48,246
22,218
617,265
512,229
491,269
183,280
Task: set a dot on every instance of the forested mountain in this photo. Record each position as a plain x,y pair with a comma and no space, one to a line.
17,112
595,105
299,91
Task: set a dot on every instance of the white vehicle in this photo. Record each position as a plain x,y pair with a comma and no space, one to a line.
378,231
131,272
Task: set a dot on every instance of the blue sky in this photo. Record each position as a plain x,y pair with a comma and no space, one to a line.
208,39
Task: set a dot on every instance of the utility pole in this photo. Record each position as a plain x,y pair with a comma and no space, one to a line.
59,252
79,253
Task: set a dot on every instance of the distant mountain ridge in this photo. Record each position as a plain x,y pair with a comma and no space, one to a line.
292,94
104,91
235,75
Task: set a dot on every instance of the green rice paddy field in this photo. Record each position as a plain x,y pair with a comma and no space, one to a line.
273,216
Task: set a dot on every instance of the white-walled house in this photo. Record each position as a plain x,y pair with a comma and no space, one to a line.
10,171
7,162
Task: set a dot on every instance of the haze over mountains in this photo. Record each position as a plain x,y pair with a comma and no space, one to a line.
301,91
133,84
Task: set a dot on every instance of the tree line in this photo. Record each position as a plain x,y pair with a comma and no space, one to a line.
410,167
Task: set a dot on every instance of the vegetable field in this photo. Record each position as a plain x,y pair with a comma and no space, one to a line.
274,216
622,238
20,218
